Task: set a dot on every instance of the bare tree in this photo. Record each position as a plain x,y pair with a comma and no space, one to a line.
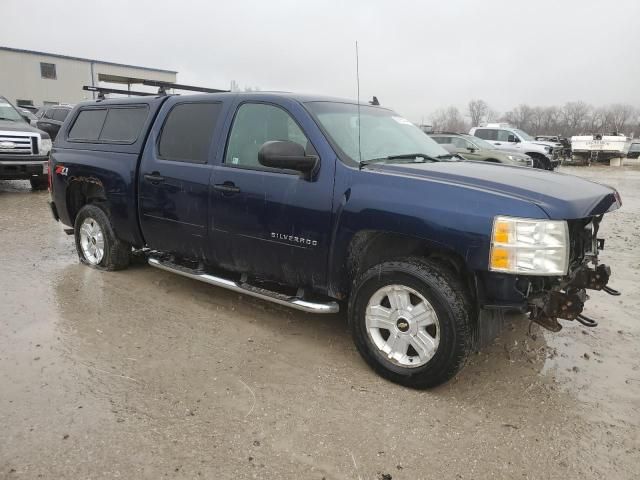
478,110
570,119
448,120
551,120
618,115
492,115
575,115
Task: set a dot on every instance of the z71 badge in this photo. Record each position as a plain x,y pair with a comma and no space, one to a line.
294,239
60,170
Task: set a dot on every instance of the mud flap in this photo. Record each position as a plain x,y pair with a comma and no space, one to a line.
490,324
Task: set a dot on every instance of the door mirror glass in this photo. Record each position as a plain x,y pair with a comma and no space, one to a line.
513,139
287,155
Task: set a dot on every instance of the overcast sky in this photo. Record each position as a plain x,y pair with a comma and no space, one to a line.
416,56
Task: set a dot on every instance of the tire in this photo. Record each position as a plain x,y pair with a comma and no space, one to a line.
92,230
452,336
39,183
540,161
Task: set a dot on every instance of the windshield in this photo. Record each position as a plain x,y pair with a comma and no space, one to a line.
7,112
382,132
524,135
481,143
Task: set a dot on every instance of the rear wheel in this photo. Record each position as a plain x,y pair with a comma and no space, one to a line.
96,243
411,322
39,183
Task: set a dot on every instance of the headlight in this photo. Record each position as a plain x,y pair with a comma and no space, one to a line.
547,149
45,146
529,247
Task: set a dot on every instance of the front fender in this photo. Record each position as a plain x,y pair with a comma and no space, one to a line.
446,217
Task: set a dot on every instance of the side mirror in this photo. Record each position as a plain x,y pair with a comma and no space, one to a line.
471,149
287,155
513,139
25,118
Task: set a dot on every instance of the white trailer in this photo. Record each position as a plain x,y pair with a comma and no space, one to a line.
597,148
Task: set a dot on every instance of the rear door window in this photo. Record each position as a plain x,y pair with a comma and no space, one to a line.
88,125
187,132
486,133
123,124
59,114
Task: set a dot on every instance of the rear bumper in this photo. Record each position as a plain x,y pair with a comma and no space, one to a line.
19,168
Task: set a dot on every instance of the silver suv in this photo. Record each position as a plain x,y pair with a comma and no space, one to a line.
505,137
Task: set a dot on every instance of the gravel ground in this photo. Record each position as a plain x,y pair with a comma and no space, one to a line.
144,374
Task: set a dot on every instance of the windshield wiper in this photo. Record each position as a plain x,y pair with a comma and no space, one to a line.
404,156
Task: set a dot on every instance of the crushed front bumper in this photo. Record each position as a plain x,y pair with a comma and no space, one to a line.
565,298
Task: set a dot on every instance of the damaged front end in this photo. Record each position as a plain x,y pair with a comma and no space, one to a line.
553,298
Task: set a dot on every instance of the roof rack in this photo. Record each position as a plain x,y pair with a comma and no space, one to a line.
163,86
102,91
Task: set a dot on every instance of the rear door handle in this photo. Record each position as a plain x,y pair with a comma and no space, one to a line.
154,177
226,187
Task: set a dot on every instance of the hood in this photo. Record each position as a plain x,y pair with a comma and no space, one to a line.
9,126
560,196
546,144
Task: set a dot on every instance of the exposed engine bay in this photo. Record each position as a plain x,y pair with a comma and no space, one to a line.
564,298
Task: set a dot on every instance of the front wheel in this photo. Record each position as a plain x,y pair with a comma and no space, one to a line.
411,321
96,242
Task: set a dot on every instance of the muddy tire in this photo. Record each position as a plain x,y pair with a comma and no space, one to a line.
411,321
96,242
39,183
540,161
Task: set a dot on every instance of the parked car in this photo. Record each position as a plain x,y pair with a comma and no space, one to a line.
28,116
322,204
24,150
52,119
474,148
544,154
634,150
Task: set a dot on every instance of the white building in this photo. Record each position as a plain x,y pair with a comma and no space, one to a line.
38,78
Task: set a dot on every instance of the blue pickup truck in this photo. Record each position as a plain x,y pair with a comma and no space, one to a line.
323,204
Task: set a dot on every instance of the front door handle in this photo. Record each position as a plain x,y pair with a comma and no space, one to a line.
226,188
154,177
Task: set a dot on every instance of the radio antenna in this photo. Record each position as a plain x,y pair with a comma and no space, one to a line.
358,94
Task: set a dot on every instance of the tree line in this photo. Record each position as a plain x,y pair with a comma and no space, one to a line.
572,118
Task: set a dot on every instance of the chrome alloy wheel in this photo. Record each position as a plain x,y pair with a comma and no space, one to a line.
403,325
92,241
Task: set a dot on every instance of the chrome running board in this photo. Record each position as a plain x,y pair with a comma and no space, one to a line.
275,297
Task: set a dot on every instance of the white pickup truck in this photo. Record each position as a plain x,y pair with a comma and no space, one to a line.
594,148
545,155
